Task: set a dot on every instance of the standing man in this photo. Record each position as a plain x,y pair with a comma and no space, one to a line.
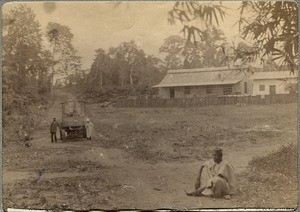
53,129
216,178
89,126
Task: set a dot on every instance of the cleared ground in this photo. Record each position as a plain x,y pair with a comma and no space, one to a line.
144,158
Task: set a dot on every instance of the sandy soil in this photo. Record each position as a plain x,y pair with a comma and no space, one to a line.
141,158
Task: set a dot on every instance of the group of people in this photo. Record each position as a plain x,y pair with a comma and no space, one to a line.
54,127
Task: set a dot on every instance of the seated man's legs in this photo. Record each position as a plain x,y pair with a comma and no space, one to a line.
199,191
204,179
220,187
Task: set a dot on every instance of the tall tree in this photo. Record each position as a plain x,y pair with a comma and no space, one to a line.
22,46
101,63
64,56
152,73
173,46
129,59
182,53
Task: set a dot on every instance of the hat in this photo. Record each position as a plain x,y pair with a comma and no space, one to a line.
217,150
87,119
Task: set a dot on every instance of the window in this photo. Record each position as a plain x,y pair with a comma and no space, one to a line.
227,89
187,90
262,87
245,88
208,89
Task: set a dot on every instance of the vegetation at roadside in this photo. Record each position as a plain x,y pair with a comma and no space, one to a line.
270,180
28,67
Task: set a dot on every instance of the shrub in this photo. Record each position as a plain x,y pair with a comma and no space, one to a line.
20,113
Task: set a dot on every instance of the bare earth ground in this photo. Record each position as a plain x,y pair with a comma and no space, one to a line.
143,158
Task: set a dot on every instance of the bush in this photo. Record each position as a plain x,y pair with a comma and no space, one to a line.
20,113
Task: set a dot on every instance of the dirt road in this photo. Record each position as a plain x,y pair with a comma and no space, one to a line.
140,158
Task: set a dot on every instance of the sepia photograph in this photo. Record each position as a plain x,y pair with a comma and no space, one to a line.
149,105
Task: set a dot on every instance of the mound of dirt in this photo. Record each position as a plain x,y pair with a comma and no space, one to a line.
270,181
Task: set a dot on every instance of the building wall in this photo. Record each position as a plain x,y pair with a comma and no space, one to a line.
164,93
237,88
179,92
248,89
280,86
198,91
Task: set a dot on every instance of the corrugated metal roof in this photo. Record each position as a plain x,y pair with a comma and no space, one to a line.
273,75
203,76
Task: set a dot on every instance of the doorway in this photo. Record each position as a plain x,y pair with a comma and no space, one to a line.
272,89
172,93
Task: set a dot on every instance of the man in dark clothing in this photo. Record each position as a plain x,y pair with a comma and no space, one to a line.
53,128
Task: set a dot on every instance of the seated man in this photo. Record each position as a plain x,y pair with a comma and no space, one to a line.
216,178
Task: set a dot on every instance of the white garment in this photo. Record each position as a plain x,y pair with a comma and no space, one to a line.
89,126
212,170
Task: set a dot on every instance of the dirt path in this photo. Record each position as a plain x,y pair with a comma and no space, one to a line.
138,183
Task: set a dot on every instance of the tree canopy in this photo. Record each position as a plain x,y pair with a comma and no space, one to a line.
125,69
25,61
130,58
272,25
182,53
64,56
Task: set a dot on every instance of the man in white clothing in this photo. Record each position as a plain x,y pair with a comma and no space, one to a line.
89,126
216,178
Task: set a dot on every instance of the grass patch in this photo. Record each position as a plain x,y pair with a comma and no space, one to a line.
271,180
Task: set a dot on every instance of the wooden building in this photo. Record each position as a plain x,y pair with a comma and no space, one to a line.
199,82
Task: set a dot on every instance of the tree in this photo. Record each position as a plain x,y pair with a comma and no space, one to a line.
153,71
39,71
121,66
274,27
102,63
129,59
209,12
212,38
173,46
76,78
182,53
271,24
64,55
23,55
101,70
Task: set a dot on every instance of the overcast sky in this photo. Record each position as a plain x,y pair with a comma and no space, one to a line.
104,24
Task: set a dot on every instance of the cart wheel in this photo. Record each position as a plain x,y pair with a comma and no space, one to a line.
84,132
63,135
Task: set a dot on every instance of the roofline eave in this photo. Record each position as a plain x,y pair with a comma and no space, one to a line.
185,85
